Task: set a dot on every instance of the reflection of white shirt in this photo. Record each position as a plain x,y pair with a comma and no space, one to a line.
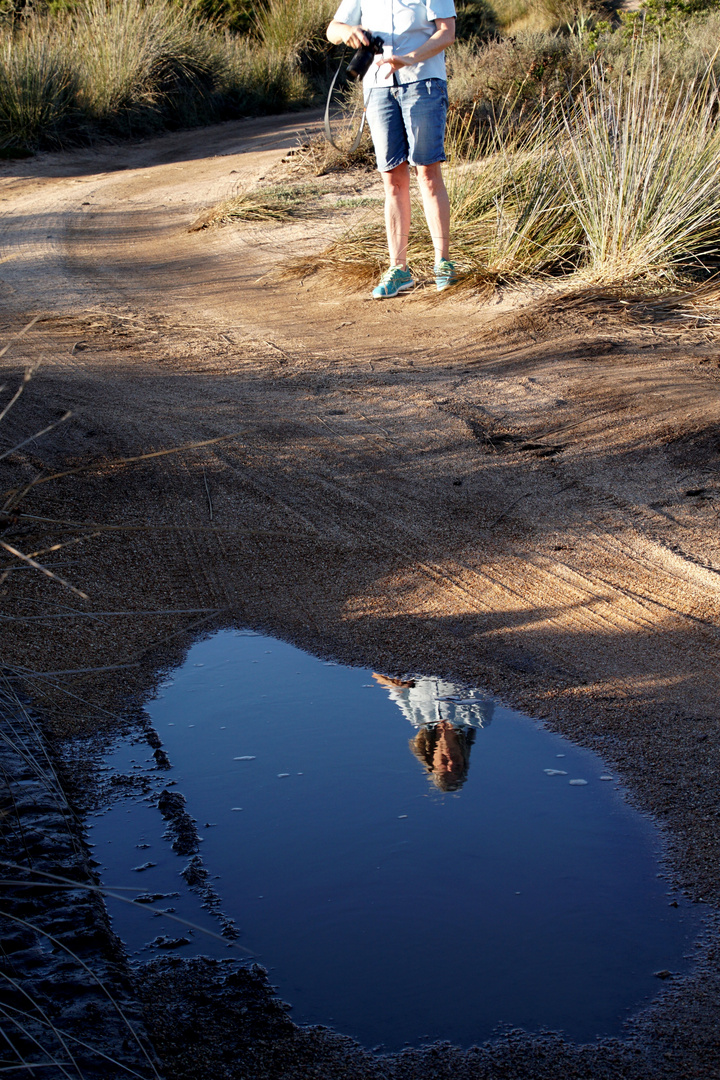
404,25
431,700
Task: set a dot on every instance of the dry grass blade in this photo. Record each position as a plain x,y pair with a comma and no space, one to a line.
64,544
115,891
37,435
26,379
33,555
15,497
16,337
13,706
265,204
643,173
44,1017
66,948
43,570
63,1035
28,1035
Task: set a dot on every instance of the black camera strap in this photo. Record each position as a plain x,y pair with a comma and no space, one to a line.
328,132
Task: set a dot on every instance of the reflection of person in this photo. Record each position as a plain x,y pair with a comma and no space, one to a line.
444,750
447,718
428,701
406,100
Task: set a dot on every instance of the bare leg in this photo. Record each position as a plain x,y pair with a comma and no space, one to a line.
397,212
436,205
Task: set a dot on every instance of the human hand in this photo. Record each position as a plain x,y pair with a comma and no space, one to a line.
355,37
395,62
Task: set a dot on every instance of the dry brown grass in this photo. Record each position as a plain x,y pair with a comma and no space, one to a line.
278,203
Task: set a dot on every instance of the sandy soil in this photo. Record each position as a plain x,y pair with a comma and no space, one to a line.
521,492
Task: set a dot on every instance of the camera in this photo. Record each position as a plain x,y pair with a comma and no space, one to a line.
363,58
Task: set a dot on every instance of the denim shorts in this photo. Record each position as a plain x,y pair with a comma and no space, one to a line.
407,123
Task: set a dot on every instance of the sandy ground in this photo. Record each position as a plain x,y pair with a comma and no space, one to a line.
520,492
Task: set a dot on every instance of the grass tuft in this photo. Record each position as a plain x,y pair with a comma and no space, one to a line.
643,173
266,204
294,26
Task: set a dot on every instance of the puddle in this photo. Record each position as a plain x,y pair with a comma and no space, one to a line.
409,862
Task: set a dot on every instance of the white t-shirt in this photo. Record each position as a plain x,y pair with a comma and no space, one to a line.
430,701
403,25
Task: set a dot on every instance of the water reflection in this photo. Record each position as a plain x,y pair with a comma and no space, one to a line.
332,854
446,718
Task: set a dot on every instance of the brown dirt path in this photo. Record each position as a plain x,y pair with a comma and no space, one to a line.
521,492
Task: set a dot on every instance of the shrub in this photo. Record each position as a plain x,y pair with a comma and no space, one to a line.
476,20
134,56
295,25
643,173
132,66
38,88
526,68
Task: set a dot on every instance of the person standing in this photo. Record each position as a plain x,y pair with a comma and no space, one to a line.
406,100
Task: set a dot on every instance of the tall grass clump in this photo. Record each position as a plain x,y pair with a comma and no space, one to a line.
136,56
617,180
130,67
510,213
38,88
642,170
257,79
294,25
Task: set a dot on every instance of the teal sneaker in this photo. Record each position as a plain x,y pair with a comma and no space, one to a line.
444,274
393,281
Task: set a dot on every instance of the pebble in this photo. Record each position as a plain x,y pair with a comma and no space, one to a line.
555,772
578,783
281,775
245,757
165,942
607,777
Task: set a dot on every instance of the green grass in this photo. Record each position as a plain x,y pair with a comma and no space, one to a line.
357,202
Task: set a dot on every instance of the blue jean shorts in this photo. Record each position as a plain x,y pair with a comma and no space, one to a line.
407,123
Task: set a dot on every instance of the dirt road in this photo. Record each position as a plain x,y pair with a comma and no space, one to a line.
521,492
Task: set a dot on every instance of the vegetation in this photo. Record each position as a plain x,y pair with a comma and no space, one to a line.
128,67
588,154
575,145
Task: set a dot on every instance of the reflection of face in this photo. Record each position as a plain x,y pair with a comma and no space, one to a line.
444,750
447,761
